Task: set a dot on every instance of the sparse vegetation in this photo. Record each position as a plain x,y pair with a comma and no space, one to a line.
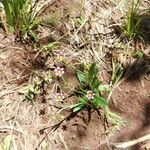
72,79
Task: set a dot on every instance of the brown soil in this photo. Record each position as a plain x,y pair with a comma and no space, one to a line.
130,99
14,60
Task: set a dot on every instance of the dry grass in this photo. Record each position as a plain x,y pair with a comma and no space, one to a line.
91,40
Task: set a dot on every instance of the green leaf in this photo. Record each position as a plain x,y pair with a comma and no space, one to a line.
81,76
92,76
74,105
81,20
77,108
138,54
20,16
84,100
49,47
33,36
95,83
7,11
92,72
100,101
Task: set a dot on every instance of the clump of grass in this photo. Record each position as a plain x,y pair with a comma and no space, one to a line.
20,17
133,19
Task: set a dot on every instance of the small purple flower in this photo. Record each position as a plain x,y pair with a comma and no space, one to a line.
90,95
59,97
59,71
60,56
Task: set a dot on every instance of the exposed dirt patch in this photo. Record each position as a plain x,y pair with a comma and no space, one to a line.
132,100
15,61
82,133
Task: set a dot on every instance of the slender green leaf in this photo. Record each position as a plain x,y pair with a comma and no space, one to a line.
95,83
20,16
81,76
74,105
100,101
83,100
92,72
7,9
78,108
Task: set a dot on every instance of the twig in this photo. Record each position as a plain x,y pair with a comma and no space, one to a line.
50,131
131,143
6,128
63,141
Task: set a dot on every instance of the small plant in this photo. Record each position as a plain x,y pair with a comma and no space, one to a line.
49,47
80,20
138,54
89,92
20,17
32,90
133,21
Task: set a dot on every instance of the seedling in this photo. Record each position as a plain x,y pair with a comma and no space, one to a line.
50,46
47,77
48,49
80,20
32,90
138,54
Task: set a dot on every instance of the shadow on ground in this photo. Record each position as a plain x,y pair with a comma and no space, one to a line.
145,126
139,68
